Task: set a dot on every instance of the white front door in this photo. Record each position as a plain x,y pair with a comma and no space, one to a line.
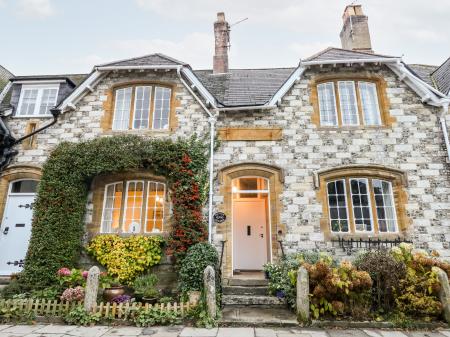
15,228
249,234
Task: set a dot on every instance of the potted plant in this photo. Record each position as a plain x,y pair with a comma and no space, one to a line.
111,287
145,288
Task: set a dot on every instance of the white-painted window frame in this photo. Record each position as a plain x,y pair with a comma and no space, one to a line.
37,106
123,205
355,103
320,85
369,192
346,207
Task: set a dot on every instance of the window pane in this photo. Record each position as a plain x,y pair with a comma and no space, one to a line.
28,103
338,213
111,208
384,199
349,107
369,102
48,100
155,207
133,207
24,186
361,205
141,107
162,108
327,104
122,109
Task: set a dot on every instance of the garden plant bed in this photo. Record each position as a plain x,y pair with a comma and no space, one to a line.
53,308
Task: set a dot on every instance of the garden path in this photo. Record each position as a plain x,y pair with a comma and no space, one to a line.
53,330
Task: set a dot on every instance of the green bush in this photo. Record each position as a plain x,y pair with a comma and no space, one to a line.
198,257
79,316
385,272
145,286
154,316
58,219
281,275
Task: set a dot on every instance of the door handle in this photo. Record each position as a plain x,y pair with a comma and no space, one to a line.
6,230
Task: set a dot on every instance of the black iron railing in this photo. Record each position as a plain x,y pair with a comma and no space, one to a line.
282,249
348,245
221,254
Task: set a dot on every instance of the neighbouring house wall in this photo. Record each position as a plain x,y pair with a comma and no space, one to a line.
88,120
413,143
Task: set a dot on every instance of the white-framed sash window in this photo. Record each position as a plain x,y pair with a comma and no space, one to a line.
37,100
133,206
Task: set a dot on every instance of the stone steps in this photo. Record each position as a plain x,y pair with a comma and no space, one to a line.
241,290
245,282
267,301
257,316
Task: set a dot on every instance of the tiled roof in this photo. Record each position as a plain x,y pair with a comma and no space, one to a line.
244,87
152,60
423,71
332,53
441,77
74,78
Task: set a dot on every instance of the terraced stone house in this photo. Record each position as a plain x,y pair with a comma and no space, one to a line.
348,144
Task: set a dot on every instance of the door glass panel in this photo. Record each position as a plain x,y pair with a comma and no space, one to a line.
249,187
24,186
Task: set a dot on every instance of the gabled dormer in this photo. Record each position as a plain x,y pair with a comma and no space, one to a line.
34,96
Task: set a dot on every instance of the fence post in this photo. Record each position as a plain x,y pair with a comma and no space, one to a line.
90,295
303,295
209,284
444,293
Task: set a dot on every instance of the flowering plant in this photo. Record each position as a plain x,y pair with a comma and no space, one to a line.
121,299
72,278
73,294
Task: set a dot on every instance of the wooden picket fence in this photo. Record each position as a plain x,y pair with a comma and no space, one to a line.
107,310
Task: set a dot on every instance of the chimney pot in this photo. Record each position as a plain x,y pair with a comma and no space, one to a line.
222,41
355,33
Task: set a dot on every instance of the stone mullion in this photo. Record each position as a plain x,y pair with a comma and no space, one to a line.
152,107
144,207
348,195
373,207
122,205
338,102
133,96
359,103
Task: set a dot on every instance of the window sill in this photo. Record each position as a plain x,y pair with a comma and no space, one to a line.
125,235
31,116
367,236
351,128
138,132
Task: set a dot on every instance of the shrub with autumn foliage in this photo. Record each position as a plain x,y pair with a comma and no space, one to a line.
341,290
417,294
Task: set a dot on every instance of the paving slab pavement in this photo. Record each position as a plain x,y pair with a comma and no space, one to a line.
55,330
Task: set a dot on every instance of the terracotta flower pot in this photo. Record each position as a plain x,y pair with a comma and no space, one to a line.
110,293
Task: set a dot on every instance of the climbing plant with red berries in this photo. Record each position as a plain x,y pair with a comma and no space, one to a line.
59,211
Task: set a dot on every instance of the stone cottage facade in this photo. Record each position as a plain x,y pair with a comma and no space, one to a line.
348,145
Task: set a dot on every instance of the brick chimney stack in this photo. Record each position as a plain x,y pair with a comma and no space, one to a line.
222,41
355,33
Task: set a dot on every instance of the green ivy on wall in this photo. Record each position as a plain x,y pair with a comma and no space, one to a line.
58,222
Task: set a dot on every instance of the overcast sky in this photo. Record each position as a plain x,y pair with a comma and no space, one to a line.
63,36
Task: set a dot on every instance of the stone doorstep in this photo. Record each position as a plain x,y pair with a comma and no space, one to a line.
253,300
245,282
257,316
240,290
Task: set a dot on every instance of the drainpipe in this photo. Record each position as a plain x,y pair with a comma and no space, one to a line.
212,123
444,128
55,113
